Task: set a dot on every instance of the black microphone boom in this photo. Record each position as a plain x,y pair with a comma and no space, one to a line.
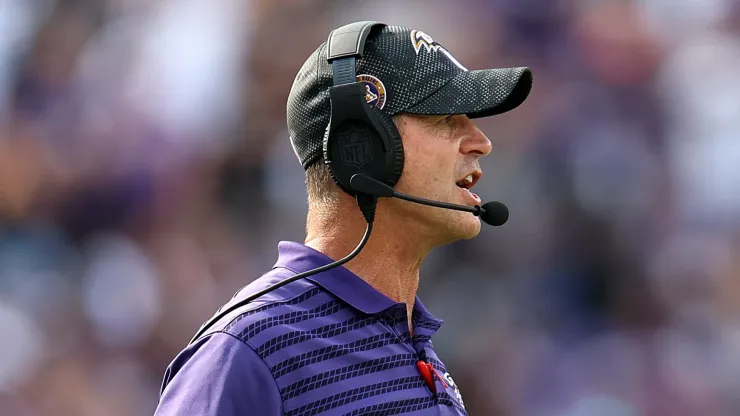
492,213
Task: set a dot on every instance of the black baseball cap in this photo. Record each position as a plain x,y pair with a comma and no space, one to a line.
404,71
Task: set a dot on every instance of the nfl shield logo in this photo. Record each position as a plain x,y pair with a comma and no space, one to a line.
356,147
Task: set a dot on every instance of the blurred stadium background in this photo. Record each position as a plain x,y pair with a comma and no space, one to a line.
146,174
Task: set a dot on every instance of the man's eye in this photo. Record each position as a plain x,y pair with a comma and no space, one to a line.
444,123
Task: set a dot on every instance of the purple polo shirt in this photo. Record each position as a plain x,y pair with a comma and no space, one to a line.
326,345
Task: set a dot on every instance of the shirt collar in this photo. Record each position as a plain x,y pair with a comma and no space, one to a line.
341,282
422,316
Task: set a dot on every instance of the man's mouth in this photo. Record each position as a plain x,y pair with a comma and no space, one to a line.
470,180
467,183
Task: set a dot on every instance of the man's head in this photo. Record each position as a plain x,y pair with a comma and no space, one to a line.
431,98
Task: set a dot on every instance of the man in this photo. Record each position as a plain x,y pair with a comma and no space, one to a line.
355,340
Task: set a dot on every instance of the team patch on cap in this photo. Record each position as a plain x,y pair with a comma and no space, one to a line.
375,93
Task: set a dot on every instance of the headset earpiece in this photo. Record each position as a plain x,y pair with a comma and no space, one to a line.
395,159
360,139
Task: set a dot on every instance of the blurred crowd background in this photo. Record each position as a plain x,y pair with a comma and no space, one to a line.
146,175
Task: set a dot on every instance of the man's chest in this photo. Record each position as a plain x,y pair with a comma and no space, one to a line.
375,374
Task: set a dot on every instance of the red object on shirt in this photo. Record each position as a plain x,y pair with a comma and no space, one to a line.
427,370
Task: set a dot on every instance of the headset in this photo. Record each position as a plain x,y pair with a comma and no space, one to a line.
360,139
363,150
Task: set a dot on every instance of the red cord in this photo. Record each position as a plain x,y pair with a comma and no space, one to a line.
431,367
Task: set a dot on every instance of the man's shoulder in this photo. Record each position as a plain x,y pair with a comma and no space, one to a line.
286,309
218,374
237,346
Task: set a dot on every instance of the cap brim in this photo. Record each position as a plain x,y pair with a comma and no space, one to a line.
478,93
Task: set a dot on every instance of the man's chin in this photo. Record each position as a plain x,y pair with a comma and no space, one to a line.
442,226
462,230
471,231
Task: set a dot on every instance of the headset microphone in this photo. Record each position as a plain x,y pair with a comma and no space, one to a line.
492,213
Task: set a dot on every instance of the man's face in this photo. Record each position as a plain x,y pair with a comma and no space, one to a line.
441,163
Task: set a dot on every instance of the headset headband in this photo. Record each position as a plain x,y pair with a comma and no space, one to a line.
344,46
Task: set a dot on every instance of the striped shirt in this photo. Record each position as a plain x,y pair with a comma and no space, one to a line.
330,344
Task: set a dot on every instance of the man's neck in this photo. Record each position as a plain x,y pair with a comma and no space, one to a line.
388,263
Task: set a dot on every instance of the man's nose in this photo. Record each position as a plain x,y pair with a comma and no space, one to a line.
475,141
